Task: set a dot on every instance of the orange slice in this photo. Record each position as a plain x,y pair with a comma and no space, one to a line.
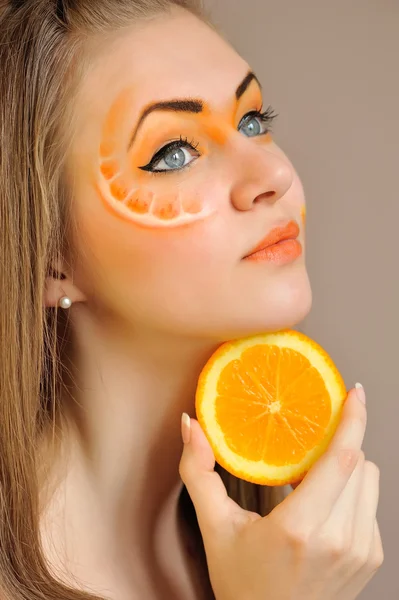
269,406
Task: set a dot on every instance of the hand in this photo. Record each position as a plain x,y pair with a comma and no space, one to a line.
321,543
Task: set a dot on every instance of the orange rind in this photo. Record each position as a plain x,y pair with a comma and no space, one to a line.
269,405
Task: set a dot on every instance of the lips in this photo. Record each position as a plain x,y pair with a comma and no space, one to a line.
278,234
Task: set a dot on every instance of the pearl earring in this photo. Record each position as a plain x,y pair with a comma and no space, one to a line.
65,302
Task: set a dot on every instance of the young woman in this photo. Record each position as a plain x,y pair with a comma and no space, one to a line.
138,173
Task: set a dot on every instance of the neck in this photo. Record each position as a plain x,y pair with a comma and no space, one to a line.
127,391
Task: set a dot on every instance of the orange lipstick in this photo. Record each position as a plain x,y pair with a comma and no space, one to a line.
280,246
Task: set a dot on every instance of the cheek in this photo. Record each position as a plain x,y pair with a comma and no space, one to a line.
121,260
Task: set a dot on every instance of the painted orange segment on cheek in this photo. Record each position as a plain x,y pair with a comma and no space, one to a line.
145,221
119,189
109,168
166,207
139,203
192,204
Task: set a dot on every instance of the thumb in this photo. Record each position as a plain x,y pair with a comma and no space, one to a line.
206,488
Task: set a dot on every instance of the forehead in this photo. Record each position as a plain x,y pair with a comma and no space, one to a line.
171,56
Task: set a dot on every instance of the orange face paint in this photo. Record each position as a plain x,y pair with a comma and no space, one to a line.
141,196
303,215
130,192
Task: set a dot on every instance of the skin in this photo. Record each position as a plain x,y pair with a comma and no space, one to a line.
303,215
134,195
322,541
154,296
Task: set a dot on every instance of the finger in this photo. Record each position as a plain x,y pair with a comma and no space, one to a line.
340,523
352,588
321,487
376,556
212,504
365,516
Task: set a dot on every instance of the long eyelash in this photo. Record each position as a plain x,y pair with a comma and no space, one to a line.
192,143
268,116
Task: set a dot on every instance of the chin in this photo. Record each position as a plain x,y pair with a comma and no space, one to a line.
282,306
289,315
289,304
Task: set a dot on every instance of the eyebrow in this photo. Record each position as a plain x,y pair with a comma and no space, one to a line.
188,104
244,85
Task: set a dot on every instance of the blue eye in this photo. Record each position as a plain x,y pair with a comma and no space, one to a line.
252,128
175,158
257,123
172,157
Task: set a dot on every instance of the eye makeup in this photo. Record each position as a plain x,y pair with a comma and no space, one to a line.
174,149
164,205
137,179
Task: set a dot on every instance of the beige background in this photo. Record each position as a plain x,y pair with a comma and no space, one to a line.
331,70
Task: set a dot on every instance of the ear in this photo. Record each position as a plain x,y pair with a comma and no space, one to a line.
59,285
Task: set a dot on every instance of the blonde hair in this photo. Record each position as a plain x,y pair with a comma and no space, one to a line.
41,43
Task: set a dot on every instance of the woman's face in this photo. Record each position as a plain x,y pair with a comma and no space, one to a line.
176,179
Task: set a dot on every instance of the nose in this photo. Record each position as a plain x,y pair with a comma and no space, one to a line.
261,174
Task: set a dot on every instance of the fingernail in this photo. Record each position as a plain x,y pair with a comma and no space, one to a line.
360,392
185,428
